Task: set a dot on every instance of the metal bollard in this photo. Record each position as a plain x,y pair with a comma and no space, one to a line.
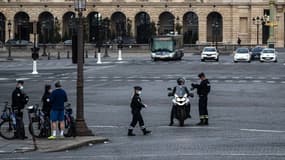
58,55
86,54
67,55
48,55
99,58
120,55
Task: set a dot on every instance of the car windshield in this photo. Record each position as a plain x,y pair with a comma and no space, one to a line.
162,45
209,49
257,49
242,50
268,51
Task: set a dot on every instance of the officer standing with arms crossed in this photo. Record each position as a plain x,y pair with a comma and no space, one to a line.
136,106
203,90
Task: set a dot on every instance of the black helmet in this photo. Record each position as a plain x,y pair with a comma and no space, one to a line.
180,81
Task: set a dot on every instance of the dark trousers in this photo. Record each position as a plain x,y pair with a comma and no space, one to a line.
203,111
137,117
20,128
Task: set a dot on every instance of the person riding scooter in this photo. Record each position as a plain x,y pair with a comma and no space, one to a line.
180,91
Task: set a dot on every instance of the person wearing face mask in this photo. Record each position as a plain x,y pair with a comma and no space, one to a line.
203,89
136,106
46,100
19,100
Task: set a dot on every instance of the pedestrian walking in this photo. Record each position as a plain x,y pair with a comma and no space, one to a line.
46,108
239,41
136,106
57,98
19,100
203,89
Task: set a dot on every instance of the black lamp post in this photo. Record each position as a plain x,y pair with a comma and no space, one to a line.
20,30
9,36
215,30
257,21
43,29
105,28
81,127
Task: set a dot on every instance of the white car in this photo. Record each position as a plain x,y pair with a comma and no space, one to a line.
210,53
242,54
268,55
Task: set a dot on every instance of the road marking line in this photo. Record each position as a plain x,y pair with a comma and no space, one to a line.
103,80
242,81
270,81
158,80
228,80
145,80
89,80
104,77
116,77
260,130
130,80
275,78
283,82
214,81
90,77
256,81
22,79
235,77
73,80
261,77
2,79
117,80
101,126
248,77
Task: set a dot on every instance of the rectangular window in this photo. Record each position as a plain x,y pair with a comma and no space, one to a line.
243,27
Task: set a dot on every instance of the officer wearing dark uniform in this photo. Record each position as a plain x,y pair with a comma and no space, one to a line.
19,100
203,90
136,106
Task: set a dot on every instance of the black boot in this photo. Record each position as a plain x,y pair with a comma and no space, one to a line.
146,132
206,121
130,132
201,123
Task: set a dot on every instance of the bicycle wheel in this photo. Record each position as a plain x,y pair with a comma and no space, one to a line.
35,129
7,130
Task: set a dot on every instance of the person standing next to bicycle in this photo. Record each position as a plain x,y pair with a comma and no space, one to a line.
19,100
46,100
58,97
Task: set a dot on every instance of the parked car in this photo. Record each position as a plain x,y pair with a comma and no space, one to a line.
23,43
209,53
11,42
242,54
67,42
268,55
256,51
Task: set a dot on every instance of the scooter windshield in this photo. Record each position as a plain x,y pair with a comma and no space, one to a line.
180,91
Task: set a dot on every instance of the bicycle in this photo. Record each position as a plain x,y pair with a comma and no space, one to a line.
11,126
39,125
69,122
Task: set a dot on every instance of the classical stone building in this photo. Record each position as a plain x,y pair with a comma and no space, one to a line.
201,21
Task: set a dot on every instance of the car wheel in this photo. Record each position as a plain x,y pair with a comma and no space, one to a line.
235,61
202,60
217,60
248,61
275,61
261,61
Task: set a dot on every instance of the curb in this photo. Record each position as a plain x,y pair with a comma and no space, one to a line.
71,146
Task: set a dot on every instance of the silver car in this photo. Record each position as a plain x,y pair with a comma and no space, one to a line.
268,55
210,53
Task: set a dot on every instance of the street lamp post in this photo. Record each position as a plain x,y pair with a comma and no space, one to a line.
9,36
215,29
44,25
257,21
81,127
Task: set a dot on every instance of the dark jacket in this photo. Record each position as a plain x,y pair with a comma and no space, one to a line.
19,99
136,104
203,89
46,102
58,97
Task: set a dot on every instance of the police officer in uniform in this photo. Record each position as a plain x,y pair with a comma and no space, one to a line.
136,106
203,90
19,100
